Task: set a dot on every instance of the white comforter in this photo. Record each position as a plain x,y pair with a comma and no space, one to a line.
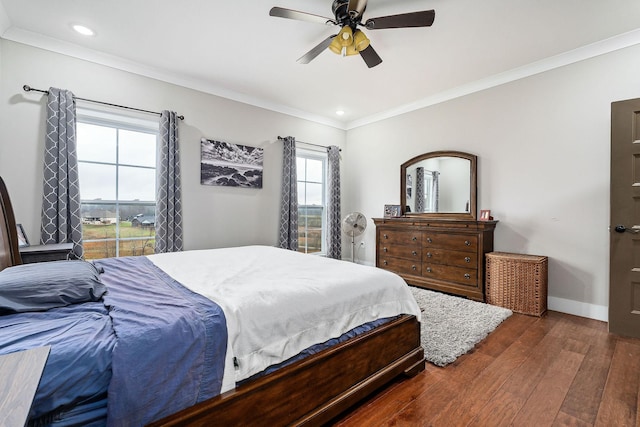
278,302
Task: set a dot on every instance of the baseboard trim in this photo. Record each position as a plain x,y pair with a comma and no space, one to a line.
568,306
577,308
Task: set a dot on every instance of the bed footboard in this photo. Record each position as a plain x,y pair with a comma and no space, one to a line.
318,388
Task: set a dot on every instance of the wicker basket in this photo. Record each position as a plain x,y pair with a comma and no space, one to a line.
517,282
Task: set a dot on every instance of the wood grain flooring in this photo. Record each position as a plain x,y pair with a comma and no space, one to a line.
558,370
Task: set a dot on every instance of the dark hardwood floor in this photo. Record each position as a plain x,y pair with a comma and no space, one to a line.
558,370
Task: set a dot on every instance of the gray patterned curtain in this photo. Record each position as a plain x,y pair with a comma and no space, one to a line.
288,238
61,222
168,193
334,223
420,190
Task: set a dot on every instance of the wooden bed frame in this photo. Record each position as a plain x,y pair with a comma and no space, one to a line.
9,252
312,391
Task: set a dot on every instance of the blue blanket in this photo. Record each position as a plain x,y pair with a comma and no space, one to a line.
170,347
78,370
150,349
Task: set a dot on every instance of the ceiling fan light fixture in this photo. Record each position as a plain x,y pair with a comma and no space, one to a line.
351,50
345,36
360,41
336,46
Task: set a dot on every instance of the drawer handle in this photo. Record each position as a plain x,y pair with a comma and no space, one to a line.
466,259
467,276
429,255
429,240
414,238
384,249
385,262
414,253
385,236
413,267
468,243
428,269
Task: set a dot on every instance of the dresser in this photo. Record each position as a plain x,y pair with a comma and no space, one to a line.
438,254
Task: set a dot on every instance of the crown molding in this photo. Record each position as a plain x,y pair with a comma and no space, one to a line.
589,51
592,50
91,55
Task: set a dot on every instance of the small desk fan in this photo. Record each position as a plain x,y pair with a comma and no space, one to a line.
353,225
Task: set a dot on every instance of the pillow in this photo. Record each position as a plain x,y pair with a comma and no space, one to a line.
45,285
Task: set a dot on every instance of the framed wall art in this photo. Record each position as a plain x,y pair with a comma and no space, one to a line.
230,165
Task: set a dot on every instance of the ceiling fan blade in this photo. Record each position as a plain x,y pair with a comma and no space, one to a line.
413,19
357,7
370,57
281,12
310,56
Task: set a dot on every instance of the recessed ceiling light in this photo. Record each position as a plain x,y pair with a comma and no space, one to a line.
85,31
340,113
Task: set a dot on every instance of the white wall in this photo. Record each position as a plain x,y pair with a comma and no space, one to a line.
213,216
543,147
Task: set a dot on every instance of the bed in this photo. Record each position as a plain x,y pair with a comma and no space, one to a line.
281,338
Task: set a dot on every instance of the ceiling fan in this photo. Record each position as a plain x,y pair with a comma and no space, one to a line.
351,40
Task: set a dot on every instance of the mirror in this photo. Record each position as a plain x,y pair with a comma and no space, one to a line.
441,184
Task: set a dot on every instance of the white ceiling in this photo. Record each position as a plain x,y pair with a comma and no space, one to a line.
236,50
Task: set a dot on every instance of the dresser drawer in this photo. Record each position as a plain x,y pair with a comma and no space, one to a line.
454,258
463,276
400,265
456,242
400,251
388,237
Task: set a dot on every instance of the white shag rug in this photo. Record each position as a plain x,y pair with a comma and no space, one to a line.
451,326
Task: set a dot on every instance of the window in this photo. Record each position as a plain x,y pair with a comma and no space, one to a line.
312,173
428,189
117,173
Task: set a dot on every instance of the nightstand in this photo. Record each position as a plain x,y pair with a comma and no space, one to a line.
43,253
20,373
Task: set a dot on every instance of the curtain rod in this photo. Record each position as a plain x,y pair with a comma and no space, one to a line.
308,143
28,88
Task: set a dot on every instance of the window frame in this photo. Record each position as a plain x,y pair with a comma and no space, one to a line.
127,121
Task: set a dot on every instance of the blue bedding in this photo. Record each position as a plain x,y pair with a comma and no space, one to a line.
78,370
169,339
151,348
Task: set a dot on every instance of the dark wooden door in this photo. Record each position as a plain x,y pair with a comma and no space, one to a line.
624,267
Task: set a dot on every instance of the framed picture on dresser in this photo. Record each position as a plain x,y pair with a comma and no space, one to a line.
391,211
485,215
22,236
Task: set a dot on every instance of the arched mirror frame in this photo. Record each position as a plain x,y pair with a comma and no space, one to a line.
473,162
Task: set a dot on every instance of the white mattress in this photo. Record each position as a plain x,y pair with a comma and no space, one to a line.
279,302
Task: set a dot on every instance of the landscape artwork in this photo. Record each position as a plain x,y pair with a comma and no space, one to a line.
230,165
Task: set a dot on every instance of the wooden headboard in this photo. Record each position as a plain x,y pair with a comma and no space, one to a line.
9,252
